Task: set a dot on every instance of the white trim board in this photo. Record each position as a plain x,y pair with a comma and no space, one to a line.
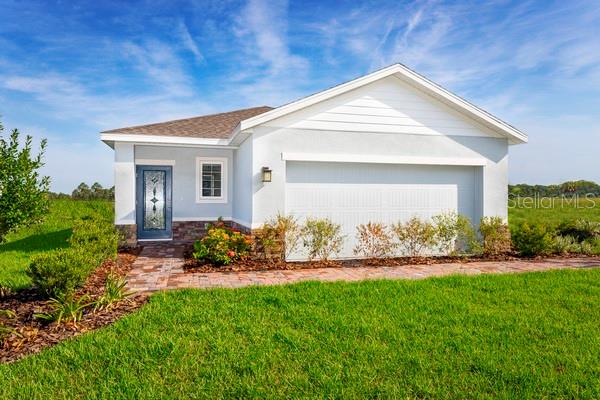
158,139
142,161
199,219
212,219
376,159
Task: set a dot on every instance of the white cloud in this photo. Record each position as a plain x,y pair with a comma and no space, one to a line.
162,65
188,41
265,24
271,73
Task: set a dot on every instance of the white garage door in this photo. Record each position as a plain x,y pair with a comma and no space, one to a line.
354,193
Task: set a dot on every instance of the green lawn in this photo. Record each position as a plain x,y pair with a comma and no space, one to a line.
505,336
553,211
50,234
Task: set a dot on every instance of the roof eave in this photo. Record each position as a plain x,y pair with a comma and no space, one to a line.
163,140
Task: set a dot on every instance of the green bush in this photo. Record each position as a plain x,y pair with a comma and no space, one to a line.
580,229
495,236
222,246
586,248
455,234
114,291
322,238
415,236
533,240
565,245
595,245
67,309
59,272
98,237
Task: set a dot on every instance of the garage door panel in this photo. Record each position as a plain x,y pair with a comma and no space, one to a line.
352,194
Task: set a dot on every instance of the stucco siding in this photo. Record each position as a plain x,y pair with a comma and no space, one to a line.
269,143
185,207
124,184
242,184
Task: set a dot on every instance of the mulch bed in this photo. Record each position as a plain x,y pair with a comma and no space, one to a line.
192,265
30,335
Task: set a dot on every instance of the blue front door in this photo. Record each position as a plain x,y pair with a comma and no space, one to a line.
154,209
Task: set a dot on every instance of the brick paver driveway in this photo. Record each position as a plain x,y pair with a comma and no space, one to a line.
161,267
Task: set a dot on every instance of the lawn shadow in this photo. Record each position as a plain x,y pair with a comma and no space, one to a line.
39,242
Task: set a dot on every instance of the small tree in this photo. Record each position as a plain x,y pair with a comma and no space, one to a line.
23,192
415,236
322,238
455,234
495,235
373,240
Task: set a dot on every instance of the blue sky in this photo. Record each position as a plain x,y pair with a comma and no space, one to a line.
69,69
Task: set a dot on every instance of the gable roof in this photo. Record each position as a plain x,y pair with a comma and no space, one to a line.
231,128
407,75
214,126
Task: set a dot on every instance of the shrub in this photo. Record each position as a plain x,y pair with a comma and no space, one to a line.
222,246
495,235
322,238
415,236
454,234
66,308
279,237
59,272
581,229
586,248
267,243
595,244
114,291
97,237
532,240
374,240
565,245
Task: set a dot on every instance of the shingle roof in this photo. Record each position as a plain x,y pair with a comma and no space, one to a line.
214,126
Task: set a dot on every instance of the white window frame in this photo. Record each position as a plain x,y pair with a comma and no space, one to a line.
224,181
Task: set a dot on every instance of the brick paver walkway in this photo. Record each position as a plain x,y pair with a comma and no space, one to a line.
161,267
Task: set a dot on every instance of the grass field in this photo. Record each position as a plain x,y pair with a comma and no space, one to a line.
553,211
50,234
504,336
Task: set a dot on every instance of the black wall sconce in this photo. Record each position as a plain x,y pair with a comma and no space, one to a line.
266,174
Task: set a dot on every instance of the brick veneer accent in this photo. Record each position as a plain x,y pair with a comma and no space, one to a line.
128,235
183,231
192,230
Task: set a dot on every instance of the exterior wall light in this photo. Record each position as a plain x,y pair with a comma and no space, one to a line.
266,174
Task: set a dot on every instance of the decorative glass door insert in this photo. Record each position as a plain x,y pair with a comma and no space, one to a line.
154,199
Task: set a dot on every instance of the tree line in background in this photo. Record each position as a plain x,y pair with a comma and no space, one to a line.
85,192
571,188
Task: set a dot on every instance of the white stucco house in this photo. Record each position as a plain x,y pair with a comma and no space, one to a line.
383,147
